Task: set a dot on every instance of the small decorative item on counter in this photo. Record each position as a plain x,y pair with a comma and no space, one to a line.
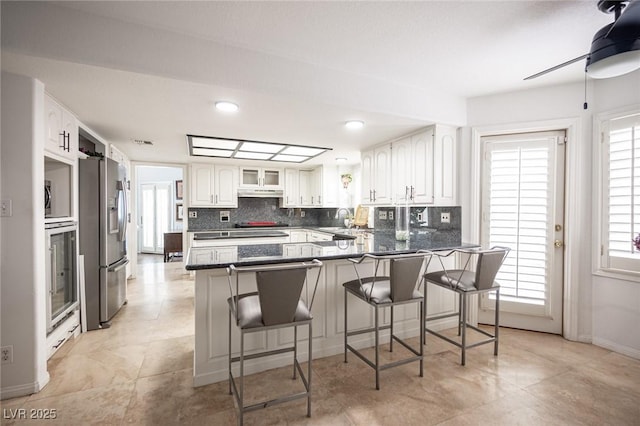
402,222
346,180
636,242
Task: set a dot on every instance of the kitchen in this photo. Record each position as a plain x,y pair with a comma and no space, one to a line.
600,307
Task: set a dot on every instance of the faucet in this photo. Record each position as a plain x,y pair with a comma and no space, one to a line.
343,209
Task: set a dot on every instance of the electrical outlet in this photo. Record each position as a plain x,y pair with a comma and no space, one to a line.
390,215
224,216
445,217
303,213
6,209
382,215
420,217
193,215
6,354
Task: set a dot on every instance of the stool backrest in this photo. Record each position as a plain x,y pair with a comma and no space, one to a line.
489,263
404,276
279,293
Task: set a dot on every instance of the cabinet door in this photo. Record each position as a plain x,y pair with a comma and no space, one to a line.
226,186
402,179
250,177
202,185
70,130
421,186
444,165
316,187
382,175
305,187
226,254
298,236
331,185
53,123
367,177
272,178
291,188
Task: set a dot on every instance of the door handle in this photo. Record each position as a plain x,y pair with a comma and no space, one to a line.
558,243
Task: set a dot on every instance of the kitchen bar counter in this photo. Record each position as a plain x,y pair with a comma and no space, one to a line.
212,291
379,243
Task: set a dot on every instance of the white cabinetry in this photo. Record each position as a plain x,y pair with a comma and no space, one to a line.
291,188
376,175
444,165
265,178
327,181
412,165
208,255
298,236
61,130
213,186
305,187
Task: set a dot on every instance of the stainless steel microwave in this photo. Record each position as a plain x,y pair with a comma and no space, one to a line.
47,198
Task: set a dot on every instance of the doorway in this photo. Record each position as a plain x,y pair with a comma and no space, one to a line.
159,206
523,208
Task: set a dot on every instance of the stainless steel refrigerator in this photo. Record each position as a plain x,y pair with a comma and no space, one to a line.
102,227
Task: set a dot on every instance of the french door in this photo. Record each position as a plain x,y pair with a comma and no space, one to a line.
155,216
523,208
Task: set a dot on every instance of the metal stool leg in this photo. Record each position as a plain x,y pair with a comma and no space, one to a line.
497,322
391,332
230,352
421,328
377,333
464,327
241,417
295,349
345,325
459,312
309,371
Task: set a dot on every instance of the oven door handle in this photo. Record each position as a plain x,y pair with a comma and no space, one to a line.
54,270
121,264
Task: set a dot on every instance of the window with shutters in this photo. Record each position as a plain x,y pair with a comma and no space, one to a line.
620,162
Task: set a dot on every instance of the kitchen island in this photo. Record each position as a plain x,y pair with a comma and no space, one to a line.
212,291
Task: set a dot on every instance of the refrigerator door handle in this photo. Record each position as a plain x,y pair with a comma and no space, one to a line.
122,211
118,266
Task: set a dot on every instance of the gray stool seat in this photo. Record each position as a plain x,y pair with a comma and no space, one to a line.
466,282
378,292
250,314
399,288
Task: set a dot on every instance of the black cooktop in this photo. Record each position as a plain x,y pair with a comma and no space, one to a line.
260,224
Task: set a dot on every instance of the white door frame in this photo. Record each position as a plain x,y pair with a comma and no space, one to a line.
576,148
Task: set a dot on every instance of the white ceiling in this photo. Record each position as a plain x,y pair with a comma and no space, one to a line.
298,70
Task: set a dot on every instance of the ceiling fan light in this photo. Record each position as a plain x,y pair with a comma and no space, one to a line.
615,65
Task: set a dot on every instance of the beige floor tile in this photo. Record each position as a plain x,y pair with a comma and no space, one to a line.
139,371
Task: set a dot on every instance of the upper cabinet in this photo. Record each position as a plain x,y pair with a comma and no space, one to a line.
264,178
412,165
291,188
317,187
376,175
445,165
213,186
417,169
61,130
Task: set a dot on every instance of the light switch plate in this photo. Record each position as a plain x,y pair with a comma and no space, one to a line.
445,217
382,215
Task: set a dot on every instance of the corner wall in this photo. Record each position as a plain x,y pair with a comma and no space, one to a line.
22,276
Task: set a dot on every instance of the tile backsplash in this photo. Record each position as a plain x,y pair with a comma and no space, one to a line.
421,218
261,209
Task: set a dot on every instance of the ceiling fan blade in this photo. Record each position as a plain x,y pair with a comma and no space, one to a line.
564,64
630,16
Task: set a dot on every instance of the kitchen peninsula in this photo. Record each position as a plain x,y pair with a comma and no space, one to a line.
212,291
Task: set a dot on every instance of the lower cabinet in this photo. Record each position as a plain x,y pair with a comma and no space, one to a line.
61,334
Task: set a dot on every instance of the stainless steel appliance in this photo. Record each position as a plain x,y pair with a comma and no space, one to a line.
61,271
103,225
47,198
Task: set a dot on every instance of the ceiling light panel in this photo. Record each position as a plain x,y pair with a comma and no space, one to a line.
302,150
251,150
260,147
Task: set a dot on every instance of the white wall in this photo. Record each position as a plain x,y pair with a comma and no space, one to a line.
22,276
610,320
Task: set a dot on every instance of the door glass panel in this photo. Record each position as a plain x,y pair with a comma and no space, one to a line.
271,177
148,217
162,214
63,288
249,177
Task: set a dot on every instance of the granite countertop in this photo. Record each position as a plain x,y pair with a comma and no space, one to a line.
378,243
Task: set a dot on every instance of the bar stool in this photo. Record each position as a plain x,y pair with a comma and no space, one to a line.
466,282
398,288
278,303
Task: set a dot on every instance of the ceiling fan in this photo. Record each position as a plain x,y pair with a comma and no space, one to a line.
615,49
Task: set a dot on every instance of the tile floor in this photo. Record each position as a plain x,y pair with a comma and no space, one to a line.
139,371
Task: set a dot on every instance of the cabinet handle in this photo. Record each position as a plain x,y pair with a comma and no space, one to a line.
412,193
74,328
216,199
374,195
63,146
68,142
319,199
301,199
211,198
312,200
370,198
406,192
60,342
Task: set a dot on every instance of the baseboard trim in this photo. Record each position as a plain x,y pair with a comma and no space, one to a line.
616,347
20,390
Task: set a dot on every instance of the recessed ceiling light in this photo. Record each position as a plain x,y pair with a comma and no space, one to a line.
354,124
341,159
226,106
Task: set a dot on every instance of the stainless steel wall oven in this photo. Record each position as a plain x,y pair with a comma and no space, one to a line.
61,271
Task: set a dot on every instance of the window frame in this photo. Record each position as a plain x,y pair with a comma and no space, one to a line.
601,176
